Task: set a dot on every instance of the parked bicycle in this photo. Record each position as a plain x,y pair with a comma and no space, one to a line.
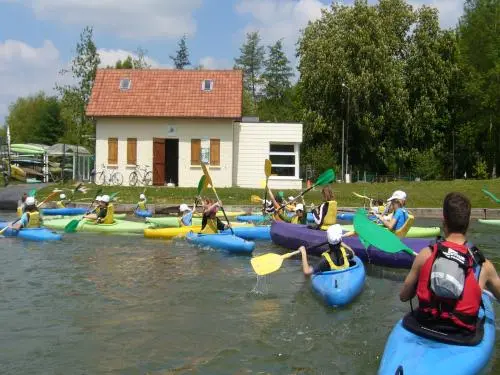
115,177
141,174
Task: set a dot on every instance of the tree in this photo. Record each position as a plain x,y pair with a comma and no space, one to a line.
75,98
251,61
125,64
181,59
277,74
36,119
139,62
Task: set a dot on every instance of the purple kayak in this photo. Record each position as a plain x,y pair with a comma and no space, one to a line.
292,236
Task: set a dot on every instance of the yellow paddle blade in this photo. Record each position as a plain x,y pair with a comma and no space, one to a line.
255,199
262,184
267,167
267,263
208,179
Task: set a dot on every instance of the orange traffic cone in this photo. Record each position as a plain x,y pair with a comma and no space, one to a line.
309,184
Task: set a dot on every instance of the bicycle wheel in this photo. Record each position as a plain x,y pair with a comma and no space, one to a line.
117,179
148,177
132,179
100,179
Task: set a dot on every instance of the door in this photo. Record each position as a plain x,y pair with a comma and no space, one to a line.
158,161
172,161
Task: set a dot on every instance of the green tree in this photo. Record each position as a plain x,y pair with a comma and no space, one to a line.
125,64
181,59
35,119
75,98
277,73
251,61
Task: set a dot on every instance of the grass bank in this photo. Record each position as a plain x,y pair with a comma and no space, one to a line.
420,194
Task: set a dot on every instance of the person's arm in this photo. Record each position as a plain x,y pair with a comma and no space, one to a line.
221,225
410,285
390,223
320,213
271,196
306,268
489,279
347,248
22,223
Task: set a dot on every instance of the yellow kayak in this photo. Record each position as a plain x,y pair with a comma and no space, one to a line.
169,233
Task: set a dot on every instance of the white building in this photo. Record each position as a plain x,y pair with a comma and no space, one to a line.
171,120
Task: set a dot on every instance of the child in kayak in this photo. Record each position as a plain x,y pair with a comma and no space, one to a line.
21,204
335,258
61,203
211,224
105,213
31,217
326,213
187,215
141,205
448,276
400,216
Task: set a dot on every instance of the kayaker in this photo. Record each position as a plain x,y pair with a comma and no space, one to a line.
61,203
105,214
31,217
279,213
400,216
299,217
141,205
326,213
187,215
448,276
335,258
210,223
377,206
21,204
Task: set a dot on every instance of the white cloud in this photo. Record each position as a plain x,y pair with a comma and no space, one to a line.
209,62
109,57
449,10
26,69
135,19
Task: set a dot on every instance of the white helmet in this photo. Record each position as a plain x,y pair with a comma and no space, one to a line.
299,207
398,194
183,207
334,234
290,198
98,198
30,201
62,196
105,198
142,196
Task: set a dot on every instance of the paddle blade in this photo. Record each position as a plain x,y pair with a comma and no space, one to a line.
32,193
377,236
267,167
326,177
266,264
113,196
255,199
201,184
71,226
208,180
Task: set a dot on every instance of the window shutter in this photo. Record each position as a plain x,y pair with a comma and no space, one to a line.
132,151
195,151
112,150
215,152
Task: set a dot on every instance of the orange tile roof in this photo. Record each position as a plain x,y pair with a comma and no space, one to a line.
167,93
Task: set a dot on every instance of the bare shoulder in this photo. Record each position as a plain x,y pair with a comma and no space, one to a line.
423,255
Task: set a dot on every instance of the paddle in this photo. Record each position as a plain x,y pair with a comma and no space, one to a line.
256,199
209,182
325,178
73,224
267,171
269,263
491,195
32,193
361,196
77,188
372,234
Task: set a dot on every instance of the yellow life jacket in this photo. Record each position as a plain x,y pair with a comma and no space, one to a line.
142,205
109,218
35,220
333,266
295,220
401,232
60,204
210,227
331,214
19,211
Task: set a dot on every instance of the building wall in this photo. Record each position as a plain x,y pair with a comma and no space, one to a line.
252,146
145,129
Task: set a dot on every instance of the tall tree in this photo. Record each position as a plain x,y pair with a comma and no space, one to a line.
125,64
35,119
278,72
75,98
181,59
251,61
138,61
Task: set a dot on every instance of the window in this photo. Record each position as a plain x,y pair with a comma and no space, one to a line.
195,151
283,159
125,84
112,150
131,151
215,152
205,151
207,85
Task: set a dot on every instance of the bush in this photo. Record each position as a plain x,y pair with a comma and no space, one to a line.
480,169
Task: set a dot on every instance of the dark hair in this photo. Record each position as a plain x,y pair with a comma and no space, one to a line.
456,212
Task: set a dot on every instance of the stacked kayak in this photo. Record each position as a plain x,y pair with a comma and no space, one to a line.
221,241
143,213
292,236
490,221
338,288
414,232
119,226
262,232
68,211
409,354
169,233
31,234
169,221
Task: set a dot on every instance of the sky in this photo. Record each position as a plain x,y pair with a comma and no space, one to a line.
38,37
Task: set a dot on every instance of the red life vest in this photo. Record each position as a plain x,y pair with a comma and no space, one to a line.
461,312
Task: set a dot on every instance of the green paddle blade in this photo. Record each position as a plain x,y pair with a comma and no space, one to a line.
326,177
491,195
72,225
112,196
32,193
377,236
201,184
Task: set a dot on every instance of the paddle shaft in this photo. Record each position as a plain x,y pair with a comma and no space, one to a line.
297,197
223,211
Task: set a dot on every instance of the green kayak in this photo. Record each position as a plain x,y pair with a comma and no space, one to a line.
414,232
45,218
119,226
169,221
490,221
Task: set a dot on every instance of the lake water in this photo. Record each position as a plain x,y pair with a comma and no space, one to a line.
95,304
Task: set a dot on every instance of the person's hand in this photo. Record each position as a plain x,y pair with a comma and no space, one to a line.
219,203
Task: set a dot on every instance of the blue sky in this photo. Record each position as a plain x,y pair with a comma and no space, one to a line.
38,37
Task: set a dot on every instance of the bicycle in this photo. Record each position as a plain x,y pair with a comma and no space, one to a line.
116,178
142,174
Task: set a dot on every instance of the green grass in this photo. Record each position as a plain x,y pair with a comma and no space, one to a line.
420,194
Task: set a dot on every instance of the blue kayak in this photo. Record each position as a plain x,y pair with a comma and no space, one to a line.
222,241
416,355
338,288
262,232
143,213
69,211
260,218
33,234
